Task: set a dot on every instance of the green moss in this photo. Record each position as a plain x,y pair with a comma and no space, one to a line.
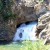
41,0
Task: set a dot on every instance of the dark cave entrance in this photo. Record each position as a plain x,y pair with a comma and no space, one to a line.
26,23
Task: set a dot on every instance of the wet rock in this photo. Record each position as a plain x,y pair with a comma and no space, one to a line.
20,35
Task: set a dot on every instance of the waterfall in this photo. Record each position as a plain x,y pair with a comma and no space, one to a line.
26,32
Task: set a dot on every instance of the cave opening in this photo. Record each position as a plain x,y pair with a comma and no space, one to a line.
25,29
4,42
28,22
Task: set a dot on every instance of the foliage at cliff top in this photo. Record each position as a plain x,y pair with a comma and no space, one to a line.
5,9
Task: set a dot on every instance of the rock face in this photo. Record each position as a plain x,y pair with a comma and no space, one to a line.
7,29
28,10
25,10
44,27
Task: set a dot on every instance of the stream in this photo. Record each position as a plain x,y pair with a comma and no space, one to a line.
26,32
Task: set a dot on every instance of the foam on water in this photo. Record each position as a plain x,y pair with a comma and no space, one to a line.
28,32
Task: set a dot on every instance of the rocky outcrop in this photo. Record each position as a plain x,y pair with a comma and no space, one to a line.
44,27
24,10
7,29
28,10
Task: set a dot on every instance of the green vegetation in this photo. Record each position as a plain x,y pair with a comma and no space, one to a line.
26,45
41,1
5,8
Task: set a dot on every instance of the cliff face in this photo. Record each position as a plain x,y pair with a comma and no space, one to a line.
22,13
28,10
7,29
44,27
24,10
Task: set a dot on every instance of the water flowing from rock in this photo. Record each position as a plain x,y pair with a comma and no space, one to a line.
26,32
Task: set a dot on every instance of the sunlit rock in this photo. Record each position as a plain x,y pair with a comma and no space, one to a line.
44,26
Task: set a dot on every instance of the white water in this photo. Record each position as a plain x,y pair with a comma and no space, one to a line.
28,32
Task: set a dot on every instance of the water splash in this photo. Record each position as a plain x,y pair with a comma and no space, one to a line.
27,31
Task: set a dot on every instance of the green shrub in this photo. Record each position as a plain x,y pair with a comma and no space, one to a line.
5,9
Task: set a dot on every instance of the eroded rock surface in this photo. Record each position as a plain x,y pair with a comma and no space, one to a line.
25,10
44,26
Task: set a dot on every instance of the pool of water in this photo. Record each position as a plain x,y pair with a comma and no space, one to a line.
26,32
